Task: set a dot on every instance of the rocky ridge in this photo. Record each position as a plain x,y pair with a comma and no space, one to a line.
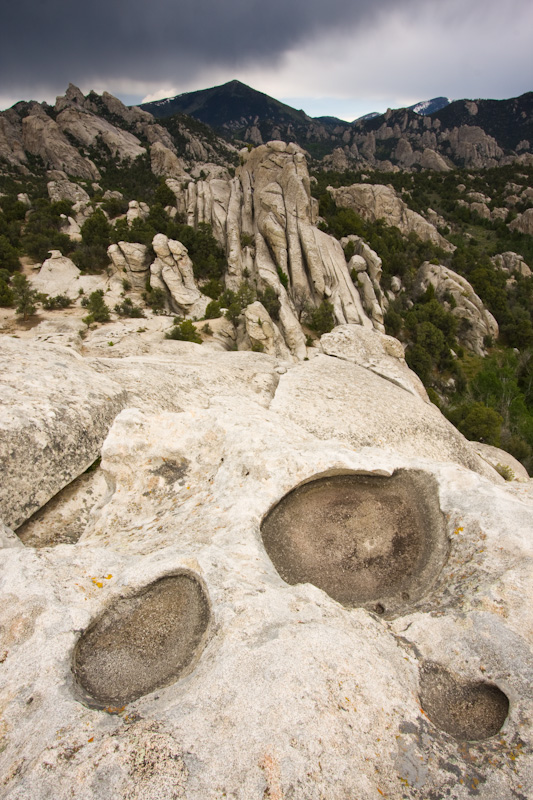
78,129
481,133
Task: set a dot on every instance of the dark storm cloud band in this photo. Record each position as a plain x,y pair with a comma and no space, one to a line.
47,43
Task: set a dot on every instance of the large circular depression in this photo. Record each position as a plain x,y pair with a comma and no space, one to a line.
365,540
142,642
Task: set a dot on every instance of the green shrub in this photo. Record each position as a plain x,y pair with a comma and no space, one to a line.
213,310
270,301
419,361
247,240
128,309
97,308
155,299
185,332
321,319
6,295
24,297
283,277
164,196
9,259
213,288
478,423
393,322
115,207
505,471
57,302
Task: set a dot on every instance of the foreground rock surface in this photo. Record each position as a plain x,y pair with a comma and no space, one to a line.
319,682
284,692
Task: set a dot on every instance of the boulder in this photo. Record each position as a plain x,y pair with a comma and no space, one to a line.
523,222
71,228
137,210
60,188
58,275
481,209
374,201
173,272
333,398
56,412
475,321
166,164
500,458
511,262
430,159
258,332
130,260
374,351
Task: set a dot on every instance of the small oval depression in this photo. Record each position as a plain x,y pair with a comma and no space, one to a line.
467,710
142,642
364,539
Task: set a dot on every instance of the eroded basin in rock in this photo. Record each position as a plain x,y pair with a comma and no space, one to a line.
142,642
467,710
364,539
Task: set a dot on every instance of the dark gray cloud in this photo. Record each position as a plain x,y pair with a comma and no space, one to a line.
44,44
366,54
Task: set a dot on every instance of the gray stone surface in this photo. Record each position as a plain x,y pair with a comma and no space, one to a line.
56,413
336,399
293,695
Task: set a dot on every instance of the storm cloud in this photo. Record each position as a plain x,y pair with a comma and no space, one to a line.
378,52
46,42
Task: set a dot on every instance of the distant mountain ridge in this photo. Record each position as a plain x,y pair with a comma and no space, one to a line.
433,134
230,105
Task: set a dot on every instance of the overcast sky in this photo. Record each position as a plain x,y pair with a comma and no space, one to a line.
337,57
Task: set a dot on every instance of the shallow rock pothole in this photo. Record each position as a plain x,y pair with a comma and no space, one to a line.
366,540
142,642
467,710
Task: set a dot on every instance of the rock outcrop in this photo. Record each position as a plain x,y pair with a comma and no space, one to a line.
511,262
86,128
172,271
58,275
42,136
374,351
60,188
165,163
523,222
259,333
265,219
374,201
56,415
475,321
471,145
130,260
